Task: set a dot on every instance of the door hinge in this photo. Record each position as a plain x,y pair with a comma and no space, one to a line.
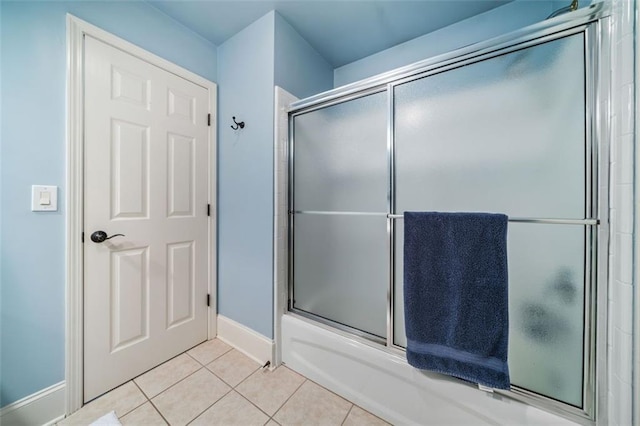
208,209
208,119
208,300
82,238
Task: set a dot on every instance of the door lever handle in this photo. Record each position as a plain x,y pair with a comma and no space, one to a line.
101,236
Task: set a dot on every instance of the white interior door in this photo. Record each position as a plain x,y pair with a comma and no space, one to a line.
146,176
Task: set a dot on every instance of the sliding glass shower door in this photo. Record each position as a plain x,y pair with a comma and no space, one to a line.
340,261
508,135
506,131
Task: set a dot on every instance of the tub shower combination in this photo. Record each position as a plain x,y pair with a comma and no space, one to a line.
510,126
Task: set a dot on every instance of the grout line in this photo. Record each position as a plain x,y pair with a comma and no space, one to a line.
335,394
347,416
214,403
265,413
251,402
159,412
227,383
206,341
143,392
292,393
158,366
353,404
246,378
150,402
182,380
138,406
231,387
339,396
136,385
179,381
193,358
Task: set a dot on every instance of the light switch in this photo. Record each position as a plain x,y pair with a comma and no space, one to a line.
44,198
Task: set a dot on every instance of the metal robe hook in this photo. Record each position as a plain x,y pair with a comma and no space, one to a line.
239,125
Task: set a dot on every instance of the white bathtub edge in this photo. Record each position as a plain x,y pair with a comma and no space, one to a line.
388,387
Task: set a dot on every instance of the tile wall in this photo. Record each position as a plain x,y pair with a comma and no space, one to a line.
622,213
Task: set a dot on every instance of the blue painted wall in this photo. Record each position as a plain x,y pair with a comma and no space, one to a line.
33,86
299,68
245,176
493,23
265,53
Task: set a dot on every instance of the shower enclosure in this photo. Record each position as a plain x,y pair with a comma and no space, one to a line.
511,128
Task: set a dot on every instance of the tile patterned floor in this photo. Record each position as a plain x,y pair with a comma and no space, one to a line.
214,384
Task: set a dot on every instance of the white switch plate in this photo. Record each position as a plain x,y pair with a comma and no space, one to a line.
44,198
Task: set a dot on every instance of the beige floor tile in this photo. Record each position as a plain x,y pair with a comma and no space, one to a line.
232,410
171,372
191,397
313,405
272,423
270,389
144,415
359,417
206,352
122,400
233,367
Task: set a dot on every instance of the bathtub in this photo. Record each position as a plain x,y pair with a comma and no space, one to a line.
384,384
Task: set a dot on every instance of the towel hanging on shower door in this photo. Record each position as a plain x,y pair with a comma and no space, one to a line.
455,295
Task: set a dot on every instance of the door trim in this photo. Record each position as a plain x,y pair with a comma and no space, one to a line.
74,322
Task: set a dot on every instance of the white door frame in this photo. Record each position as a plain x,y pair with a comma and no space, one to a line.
76,30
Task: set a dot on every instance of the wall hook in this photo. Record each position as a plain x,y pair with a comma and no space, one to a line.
239,125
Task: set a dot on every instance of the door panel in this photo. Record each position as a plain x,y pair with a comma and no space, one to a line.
129,170
181,106
129,285
180,289
181,175
146,176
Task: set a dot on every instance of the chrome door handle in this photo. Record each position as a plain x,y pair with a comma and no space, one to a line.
101,236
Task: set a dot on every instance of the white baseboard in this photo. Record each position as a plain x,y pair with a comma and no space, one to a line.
44,407
247,341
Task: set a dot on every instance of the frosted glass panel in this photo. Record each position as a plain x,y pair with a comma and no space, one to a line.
341,157
341,269
504,135
546,305
546,308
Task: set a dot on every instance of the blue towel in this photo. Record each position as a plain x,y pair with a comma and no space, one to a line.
455,295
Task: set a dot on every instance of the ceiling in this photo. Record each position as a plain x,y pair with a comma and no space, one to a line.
342,31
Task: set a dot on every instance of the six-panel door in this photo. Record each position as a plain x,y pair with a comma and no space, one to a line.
146,176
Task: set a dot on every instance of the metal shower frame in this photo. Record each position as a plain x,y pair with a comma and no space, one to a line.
593,23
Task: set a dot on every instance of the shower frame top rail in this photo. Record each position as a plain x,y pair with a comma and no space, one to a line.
575,21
